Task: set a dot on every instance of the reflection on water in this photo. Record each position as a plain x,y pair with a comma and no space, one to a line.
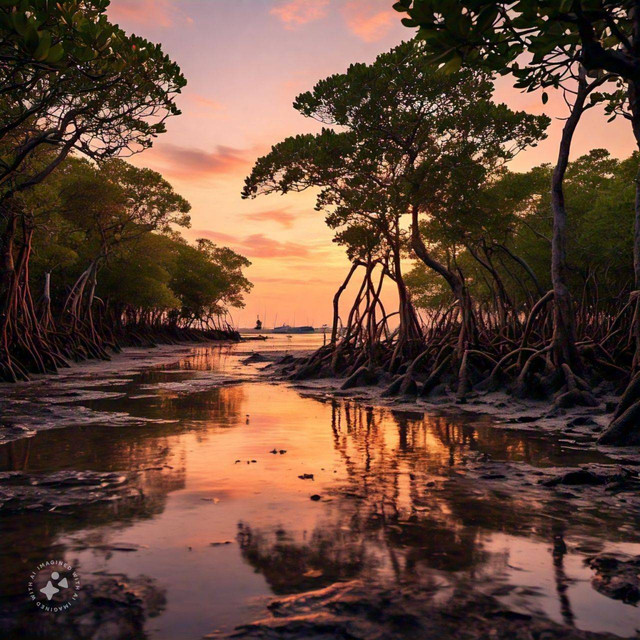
397,506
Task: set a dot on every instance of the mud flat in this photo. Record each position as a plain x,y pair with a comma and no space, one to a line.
199,495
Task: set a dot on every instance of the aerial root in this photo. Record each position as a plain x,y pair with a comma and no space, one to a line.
624,428
577,393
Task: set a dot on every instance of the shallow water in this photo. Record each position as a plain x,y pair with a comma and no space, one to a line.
397,506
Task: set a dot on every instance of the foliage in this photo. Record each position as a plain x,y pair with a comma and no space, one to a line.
557,34
600,196
404,135
72,80
207,277
123,218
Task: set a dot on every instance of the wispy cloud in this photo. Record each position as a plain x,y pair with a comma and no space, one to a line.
257,245
160,13
370,20
208,103
203,107
294,13
192,163
282,216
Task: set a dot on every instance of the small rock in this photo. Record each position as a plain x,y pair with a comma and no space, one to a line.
617,576
583,476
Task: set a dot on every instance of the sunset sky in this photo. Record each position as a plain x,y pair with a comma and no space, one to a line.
245,61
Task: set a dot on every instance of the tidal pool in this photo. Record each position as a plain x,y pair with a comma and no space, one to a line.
218,519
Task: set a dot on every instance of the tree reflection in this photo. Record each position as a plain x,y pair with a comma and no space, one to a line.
410,510
293,567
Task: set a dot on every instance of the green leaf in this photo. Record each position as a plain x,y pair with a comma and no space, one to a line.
453,64
55,54
20,22
85,54
42,51
485,19
32,39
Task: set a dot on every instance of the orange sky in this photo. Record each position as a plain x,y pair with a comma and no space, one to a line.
245,61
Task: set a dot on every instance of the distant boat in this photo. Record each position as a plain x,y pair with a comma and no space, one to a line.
285,328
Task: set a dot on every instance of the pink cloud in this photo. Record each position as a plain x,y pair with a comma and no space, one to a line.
258,245
161,13
190,163
370,20
295,13
281,216
209,103
201,106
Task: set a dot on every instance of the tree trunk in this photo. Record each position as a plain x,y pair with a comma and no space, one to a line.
336,303
634,105
564,338
624,429
468,326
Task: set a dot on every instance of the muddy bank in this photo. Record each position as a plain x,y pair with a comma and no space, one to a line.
354,611
109,607
75,396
